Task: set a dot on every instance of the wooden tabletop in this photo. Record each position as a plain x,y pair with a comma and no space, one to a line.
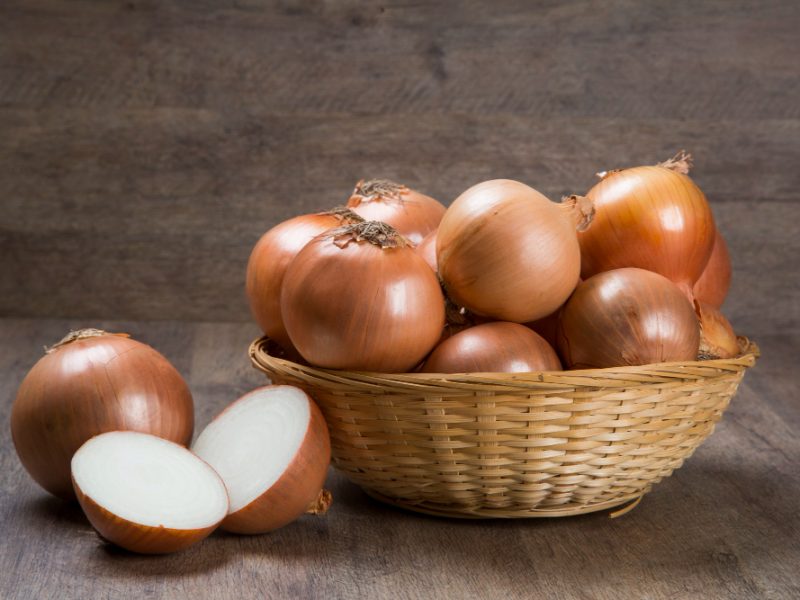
725,525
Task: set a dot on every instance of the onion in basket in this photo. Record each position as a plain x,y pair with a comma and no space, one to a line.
147,494
360,298
91,382
713,285
498,347
270,258
627,317
272,449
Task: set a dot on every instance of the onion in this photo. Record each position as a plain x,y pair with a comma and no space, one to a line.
412,214
713,285
498,347
651,217
270,258
147,494
89,383
717,338
547,327
360,298
272,449
427,249
627,317
505,251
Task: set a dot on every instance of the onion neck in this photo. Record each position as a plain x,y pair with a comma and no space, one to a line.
343,214
376,233
377,190
680,163
80,334
580,209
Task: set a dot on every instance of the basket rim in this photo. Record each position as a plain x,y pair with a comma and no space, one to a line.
612,376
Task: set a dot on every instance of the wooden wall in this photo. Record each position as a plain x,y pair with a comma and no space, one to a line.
145,146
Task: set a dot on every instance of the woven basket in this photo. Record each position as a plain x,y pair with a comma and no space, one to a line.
515,444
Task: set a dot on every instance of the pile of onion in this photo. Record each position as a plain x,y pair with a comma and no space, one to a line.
412,214
89,383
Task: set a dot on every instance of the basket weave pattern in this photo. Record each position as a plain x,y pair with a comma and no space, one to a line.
515,444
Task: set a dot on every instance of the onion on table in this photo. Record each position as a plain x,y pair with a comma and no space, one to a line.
412,214
89,383
272,449
507,252
627,316
147,494
360,298
270,258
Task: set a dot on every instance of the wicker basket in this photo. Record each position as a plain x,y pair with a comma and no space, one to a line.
515,444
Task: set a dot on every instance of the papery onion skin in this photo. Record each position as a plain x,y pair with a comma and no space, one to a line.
427,250
412,214
497,347
649,217
627,317
713,285
717,338
267,265
505,251
354,305
89,386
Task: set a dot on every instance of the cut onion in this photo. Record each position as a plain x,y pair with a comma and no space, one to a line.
147,494
272,449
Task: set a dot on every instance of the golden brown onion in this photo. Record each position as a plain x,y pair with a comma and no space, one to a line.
269,259
713,285
717,338
651,217
411,214
507,252
627,317
89,383
498,347
360,298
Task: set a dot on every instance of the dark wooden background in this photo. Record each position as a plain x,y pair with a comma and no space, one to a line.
145,146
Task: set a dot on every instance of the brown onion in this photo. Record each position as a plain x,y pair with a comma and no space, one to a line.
651,217
411,214
89,383
717,338
270,258
713,285
547,327
627,317
498,347
427,249
507,252
360,298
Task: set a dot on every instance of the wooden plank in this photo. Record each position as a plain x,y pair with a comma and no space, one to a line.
725,525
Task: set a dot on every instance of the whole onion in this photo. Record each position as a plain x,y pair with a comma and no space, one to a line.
427,249
498,347
714,283
89,383
505,251
627,317
270,258
650,217
717,338
360,298
411,214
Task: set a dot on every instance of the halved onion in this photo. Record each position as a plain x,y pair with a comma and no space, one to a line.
272,449
498,347
147,494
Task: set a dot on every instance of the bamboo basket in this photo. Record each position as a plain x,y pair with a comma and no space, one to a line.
515,444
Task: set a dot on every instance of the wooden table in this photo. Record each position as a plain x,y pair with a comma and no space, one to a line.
725,525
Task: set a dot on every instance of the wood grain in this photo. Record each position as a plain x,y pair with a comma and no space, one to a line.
725,525
146,145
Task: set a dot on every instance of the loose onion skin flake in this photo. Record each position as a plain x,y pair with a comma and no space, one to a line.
360,298
147,494
89,383
507,252
651,217
271,256
627,317
411,214
498,347
714,283
272,449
